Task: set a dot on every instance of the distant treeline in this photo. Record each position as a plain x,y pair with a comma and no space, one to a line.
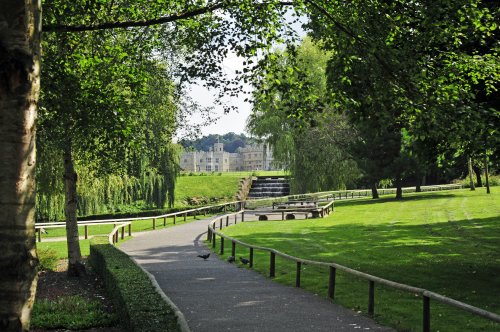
231,142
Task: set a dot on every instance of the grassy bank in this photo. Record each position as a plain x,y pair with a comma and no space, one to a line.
446,242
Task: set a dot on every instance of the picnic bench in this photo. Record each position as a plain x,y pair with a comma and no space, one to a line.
301,204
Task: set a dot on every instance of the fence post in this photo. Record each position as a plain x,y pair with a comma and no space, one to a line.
154,223
185,216
235,219
297,275
331,282
426,315
39,231
242,216
233,248
213,240
222,245
220,223
272,265
227,221
164,221
251,257
123,232
209,233
371,298
86,227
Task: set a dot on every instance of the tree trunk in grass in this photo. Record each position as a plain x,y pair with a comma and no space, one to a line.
477,171
19,90
374,191
471,180
418,187
399,189
486,173
75,266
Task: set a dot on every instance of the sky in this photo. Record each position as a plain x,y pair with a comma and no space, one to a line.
234,121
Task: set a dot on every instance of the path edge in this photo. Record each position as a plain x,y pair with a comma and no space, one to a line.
181,319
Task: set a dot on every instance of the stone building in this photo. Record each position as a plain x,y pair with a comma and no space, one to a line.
250,158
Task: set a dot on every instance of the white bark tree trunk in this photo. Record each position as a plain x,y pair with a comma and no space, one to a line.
75,266
19,90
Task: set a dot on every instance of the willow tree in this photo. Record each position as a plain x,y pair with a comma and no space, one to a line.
291,112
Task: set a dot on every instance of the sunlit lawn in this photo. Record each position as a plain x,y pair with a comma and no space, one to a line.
137,226
446,242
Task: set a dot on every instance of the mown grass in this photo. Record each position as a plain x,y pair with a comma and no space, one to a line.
211,187
215,186
137,226
446,242
70,312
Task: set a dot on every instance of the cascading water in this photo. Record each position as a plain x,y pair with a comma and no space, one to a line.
269,187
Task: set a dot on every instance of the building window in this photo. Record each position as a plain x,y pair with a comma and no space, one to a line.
208,168
216,168
255,155
209,160
201,160
217,160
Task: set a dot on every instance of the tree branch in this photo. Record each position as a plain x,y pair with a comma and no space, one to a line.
144,23
385,66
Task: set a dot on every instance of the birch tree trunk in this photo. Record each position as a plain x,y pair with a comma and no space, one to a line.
19,90
471,179
75,266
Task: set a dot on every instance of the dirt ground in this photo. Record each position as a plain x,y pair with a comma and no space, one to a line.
53,284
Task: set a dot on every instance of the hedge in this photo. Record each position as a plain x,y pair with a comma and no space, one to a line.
139,306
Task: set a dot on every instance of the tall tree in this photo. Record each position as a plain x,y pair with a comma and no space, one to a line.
291,112
19,89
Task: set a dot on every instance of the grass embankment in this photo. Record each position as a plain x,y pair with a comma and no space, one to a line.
212,187
446,242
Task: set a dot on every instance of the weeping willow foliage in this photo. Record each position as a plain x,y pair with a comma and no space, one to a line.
291,112
120,173
102,194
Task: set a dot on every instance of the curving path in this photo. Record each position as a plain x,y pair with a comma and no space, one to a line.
217,296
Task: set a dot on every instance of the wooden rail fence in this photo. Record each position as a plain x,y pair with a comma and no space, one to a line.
426,295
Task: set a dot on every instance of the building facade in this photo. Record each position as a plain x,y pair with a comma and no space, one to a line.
250,158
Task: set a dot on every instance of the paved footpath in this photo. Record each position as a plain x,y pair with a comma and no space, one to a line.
214,295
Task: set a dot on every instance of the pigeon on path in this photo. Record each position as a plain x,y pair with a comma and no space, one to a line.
231,259
204,256
244,261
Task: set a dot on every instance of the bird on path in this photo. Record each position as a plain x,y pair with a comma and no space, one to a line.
231,259
244,261
204,256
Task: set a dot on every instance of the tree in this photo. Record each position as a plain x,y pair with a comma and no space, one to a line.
292,115
402,66
19,88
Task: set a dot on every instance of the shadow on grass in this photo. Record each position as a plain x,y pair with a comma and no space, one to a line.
458,259
391,198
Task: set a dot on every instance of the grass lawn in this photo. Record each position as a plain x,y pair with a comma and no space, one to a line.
446,242
137,226
221,186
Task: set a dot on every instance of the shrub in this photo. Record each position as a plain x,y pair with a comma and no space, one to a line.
138,304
